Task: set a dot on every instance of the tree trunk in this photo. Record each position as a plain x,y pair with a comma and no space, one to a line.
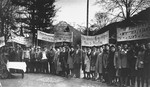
2,27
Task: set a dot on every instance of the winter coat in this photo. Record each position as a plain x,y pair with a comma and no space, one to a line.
99,63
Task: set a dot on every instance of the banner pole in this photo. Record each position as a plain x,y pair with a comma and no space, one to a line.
81,62
81,56
37,42
54,41
37,39
72,39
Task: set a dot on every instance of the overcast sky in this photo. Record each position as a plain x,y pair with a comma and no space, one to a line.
74,11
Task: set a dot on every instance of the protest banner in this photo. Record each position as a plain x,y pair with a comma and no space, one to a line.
133,33
19,39
87,40
97,40
2,41
102,39
63,37
45,36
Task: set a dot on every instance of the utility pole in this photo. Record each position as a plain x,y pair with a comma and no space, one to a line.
87,22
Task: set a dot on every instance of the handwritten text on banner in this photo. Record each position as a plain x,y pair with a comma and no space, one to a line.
133,33
97,40
45,36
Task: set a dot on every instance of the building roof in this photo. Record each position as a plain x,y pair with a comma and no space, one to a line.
140,18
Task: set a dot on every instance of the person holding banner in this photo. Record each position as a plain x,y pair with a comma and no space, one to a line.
55,60
84,61
44,60
87,63
70,60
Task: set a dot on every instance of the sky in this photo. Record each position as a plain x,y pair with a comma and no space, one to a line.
74,11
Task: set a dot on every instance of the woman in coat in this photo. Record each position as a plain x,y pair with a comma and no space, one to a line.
93,63
59,68
99,63
70,60
87,63
55,60
139,66
84,55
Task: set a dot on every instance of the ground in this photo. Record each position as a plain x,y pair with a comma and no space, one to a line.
46,80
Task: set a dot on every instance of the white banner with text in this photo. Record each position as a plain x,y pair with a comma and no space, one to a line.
45,36
97,40
64,37
133,33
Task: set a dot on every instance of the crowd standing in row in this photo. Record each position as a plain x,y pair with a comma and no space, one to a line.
122,65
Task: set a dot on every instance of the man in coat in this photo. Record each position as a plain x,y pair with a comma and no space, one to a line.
51,54
111,67
77,62
131,55
124,65
105,63
147,65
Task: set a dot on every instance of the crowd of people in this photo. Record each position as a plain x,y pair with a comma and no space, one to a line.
122,65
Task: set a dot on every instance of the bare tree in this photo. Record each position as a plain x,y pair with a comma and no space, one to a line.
101,19
123,9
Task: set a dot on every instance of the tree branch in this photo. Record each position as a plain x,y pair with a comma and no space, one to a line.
137,7
121,8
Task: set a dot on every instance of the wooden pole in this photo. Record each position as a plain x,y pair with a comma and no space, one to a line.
72,39
87,19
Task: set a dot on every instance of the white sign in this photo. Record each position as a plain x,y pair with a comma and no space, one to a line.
2,41
18,39
133,33
63,37
45,36
97,40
